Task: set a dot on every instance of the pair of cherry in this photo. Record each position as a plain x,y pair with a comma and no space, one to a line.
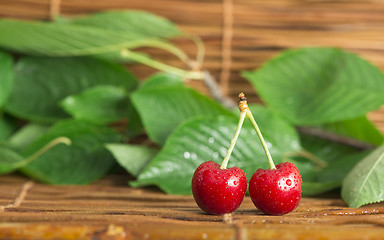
219,190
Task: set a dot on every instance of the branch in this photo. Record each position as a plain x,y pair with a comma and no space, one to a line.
335,138
216,92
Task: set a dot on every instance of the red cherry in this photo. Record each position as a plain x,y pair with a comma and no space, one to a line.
276,191
218,191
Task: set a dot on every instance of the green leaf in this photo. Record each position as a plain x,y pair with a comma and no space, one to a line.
335,155
316,188
27,134
56,39
132,158
152,28
340,158
135,125
41,83
84,161
339,168
6,77
7,127
360,128
324,149
164,108
138,22
10,160
161,80
207,138
314,86
364,184
100,104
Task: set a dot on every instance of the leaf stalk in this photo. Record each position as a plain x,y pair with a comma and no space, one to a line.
47,147
161,66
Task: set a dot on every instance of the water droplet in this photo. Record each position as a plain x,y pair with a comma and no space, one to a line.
294,145
223,151
187,155
289,182
211,140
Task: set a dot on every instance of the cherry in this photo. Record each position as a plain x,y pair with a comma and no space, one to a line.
218,191
276,191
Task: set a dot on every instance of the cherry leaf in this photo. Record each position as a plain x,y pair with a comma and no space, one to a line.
312,86
42,82
132,158
6,77
58,39
82,162
26,135
100,104
365,183
168,106
316,188
10,160
138,22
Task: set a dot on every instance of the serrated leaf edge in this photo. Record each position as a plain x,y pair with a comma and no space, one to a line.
354,202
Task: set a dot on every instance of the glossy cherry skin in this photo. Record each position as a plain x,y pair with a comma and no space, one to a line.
218,191
278,191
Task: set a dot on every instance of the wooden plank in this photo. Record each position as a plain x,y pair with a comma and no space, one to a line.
109,209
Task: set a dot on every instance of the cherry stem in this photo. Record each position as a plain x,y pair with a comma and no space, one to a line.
234,140
245,112
244,107
269,157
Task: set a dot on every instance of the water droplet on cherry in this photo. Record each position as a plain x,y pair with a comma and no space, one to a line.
289,182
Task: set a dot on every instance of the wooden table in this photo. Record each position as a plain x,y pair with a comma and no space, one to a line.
109,209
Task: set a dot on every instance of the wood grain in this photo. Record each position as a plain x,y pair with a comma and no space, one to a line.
109,209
